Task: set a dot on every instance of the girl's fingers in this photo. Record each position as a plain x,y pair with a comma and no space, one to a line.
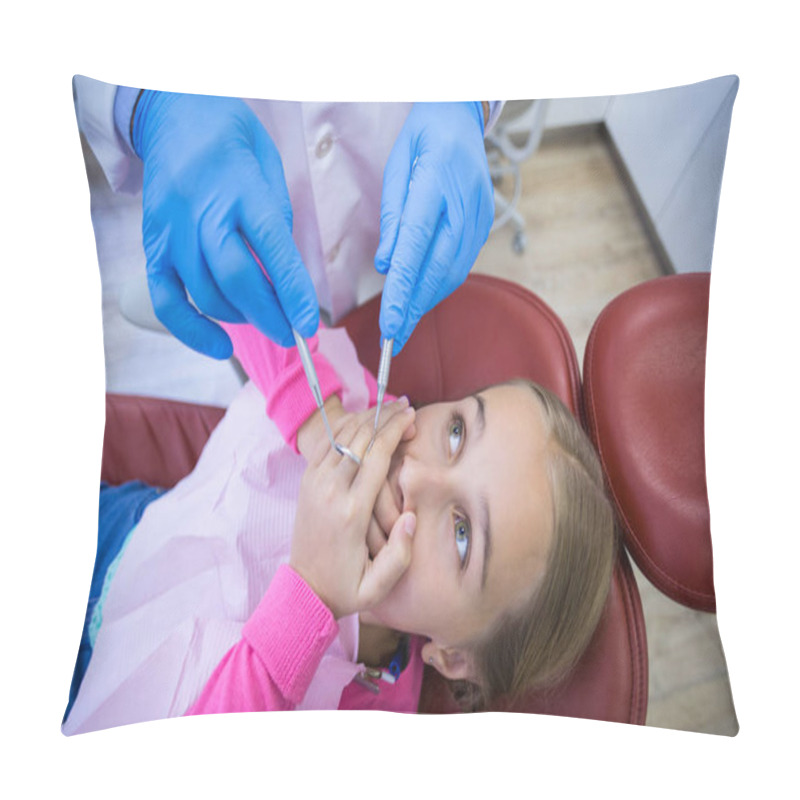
347,438
365,434
389,565
357,430
386,511
375,467
410,432
384,516
376,537
343,434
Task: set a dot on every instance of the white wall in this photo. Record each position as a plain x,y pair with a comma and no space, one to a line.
576,111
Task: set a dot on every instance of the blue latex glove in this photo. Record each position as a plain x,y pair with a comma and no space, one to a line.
214,183
436,212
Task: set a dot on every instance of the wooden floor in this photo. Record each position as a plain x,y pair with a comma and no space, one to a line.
586,243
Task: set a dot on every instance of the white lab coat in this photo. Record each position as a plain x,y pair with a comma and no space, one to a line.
333,157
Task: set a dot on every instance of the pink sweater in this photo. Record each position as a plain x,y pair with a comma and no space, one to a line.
284,640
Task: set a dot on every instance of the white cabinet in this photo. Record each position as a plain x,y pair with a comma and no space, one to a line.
672,143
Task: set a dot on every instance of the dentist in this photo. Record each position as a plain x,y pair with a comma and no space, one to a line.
302,187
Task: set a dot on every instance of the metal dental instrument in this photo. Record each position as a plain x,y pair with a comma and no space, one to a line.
313,382
383,380
386,356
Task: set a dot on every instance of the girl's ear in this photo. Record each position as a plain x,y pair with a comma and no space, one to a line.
454,663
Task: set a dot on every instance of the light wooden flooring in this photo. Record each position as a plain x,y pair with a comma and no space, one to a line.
586,244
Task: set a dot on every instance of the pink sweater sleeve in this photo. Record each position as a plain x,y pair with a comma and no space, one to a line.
282,643
278,373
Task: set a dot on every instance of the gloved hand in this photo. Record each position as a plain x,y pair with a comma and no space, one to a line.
214,184
437,209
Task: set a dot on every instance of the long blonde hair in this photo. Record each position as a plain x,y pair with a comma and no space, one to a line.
536,647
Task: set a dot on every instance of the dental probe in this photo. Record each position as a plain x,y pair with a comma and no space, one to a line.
313,383
383,381
386,356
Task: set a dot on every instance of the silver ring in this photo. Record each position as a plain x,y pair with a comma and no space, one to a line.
346,451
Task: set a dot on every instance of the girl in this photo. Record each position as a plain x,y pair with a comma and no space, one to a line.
475,537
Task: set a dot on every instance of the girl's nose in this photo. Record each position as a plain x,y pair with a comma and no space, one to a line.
417,479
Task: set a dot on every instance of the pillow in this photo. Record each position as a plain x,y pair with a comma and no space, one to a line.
593,198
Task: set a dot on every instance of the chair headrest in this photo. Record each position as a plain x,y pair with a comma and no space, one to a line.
644,381
488,331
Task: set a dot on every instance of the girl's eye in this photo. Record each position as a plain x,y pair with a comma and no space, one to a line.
456,434
463,539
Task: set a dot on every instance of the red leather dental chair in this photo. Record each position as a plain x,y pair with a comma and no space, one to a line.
487,331
643,378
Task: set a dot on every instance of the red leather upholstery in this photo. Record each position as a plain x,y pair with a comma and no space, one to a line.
488,331
644,378
153,440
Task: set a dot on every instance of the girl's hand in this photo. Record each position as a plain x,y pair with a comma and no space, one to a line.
384,516
386,512
335,506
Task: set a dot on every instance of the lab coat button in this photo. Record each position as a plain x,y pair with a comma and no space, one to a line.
324,145
333,252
